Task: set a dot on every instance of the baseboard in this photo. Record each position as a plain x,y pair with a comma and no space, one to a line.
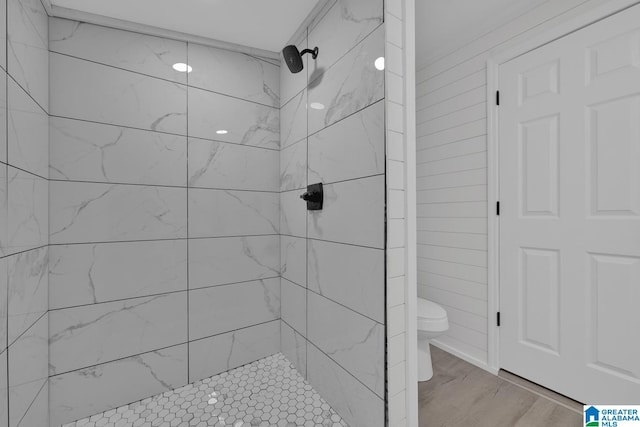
464,356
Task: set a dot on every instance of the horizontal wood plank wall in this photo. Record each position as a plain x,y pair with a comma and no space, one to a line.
452,175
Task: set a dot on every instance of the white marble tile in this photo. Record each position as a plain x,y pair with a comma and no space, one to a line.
85,151
3,106
214,164
3,37
293,259
351,148
232,259
4,390
131,51
95,92
27,47
294,305
38,412
216,213
4,283
293,120
293,166
350,275
28,358
355,403
236,74
28,132
348,86
4,211
28,277
101,272
353,212
293,213
245,122
87,212
27,225
346,24
99,333
352,340
211,356
89,391
294,347
291,84
220,309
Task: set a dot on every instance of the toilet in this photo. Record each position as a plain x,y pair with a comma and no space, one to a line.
432,322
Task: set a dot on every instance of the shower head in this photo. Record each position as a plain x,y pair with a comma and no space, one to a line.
293,57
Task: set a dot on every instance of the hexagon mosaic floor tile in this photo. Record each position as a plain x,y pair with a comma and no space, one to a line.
268,392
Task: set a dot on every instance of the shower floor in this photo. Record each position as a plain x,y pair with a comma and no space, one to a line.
268,392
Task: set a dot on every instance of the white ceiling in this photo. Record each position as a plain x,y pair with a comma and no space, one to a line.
443,26
262,24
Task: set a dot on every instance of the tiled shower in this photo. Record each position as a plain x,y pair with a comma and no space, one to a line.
153,234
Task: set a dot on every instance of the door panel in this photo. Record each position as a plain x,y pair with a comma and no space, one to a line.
570,213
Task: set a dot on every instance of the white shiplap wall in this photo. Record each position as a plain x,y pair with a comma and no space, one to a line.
452,175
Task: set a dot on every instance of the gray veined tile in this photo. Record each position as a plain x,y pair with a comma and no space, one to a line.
293,120
28,132
216,213
356,404
352,340
293,211
351,275
294,305
225,260
3,308
346,24
233,73
4,390
85,151
27,47
224,118
3,107
98,333
221,309
99,93
38,412
211,356
350,85
28,358
129,50
86,212
293,166
293,259
28,284
101,272
3,43
28,225
353,212
294,347
351,148
215,164
4,211
89,391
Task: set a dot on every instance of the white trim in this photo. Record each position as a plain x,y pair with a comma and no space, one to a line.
464,356
105,21
497,58
411,297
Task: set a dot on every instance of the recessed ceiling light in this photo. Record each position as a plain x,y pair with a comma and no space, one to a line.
182,67
379,63
222,132
316,106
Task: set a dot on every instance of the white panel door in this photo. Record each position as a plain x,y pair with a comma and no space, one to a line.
570,213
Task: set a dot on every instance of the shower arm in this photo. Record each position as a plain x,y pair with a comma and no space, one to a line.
313,52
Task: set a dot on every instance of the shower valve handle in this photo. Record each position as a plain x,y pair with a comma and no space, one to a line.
311,196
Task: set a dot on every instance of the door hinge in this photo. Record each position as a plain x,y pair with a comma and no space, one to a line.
498,318
497,97
498,208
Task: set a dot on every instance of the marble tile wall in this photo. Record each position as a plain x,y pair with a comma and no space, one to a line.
164,215
332,263
24,235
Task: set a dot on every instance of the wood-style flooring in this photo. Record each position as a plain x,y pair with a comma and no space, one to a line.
463,395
